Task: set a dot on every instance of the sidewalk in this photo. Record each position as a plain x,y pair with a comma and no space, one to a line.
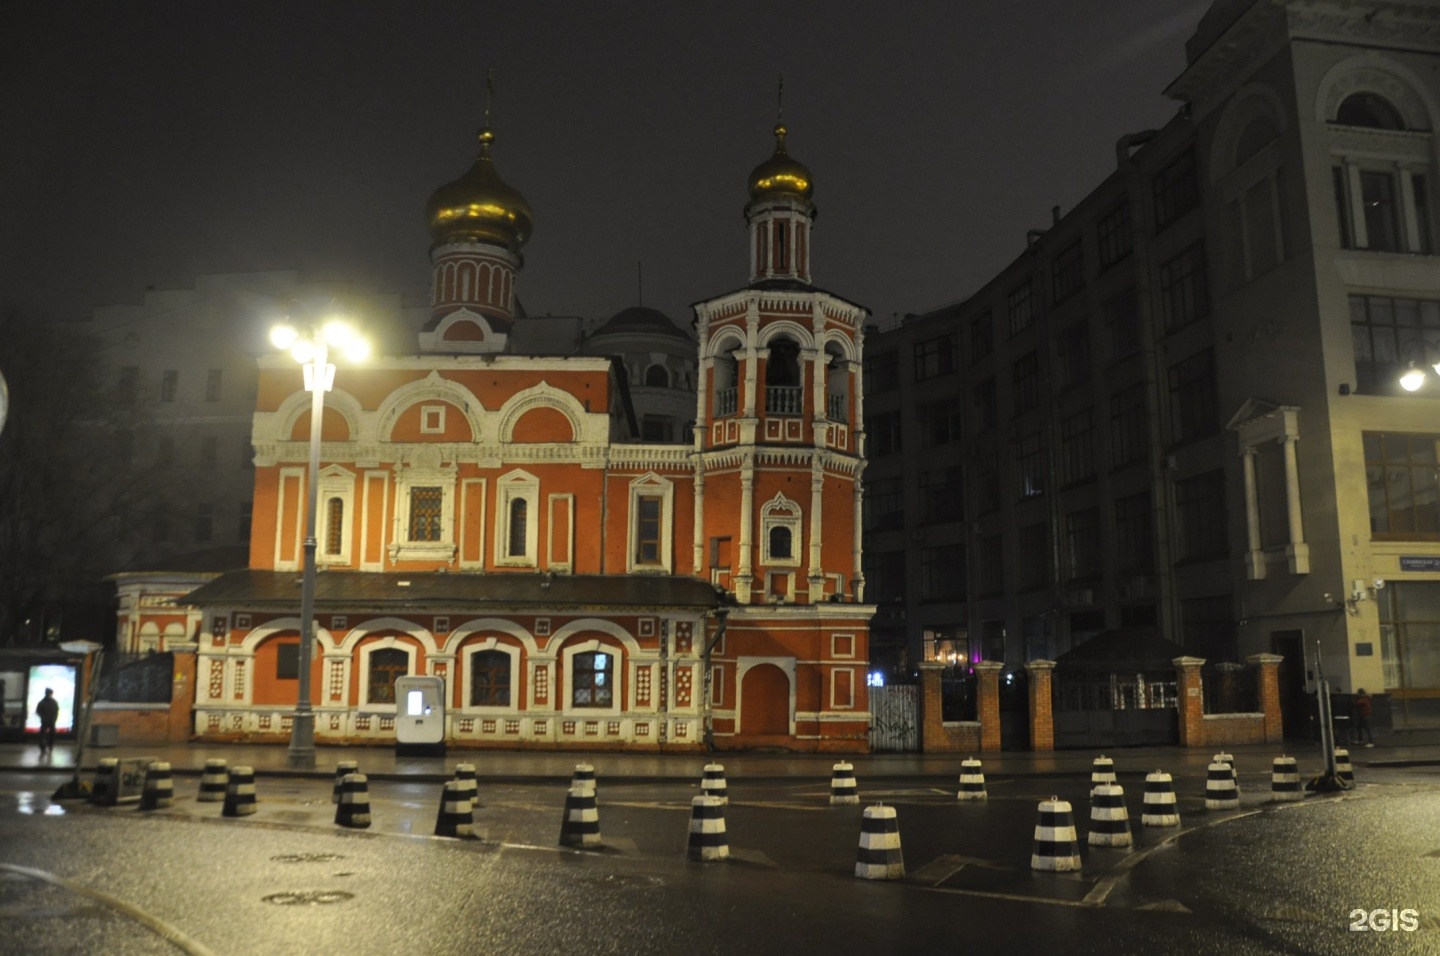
381,763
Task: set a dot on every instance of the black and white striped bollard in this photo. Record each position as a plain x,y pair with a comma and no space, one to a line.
1109,820
343,769
1102,770
1285,781
159,787
581,825
1220,791
1057,847
708,840
879,856
353,810
213,782
1159,808
457,815
240,796
972,781
843,787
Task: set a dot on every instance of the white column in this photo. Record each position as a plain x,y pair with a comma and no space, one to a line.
747,519
815,573
856,574
699,514
1298,551
1358,232
1408,213
1254,555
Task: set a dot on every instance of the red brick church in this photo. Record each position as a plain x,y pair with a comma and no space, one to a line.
490,515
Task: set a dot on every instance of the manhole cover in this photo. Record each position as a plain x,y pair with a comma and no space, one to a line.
307,858
308,897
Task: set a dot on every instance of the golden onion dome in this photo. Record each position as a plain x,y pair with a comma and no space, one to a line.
479,206
781,175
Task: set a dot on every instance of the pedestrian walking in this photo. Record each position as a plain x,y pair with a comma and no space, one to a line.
48,710
1361,711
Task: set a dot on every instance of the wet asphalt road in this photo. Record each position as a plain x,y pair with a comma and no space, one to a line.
1261,880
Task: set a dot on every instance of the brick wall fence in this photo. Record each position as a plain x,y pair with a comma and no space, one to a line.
154,723
1197,728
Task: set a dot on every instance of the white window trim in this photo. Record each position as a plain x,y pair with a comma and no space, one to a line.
835,640
336,483
567,702
523,485
489,644
432,419
403,549
386,643
769,519
651,486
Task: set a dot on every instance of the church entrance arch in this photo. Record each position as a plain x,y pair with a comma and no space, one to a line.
765,700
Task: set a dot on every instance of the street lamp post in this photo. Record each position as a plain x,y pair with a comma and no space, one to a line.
313,353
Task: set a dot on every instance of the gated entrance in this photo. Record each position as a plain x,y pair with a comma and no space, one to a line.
894,718
1117,690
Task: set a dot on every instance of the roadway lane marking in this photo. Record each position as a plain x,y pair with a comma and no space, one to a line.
1119,871
155,924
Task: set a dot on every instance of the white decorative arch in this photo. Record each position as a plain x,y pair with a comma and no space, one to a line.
803,337
432,387
781,512
470,628
543,395
558,639
720,342
1372,72
567,691
299,403
269,629
744,665
366,628
846,344
1251,102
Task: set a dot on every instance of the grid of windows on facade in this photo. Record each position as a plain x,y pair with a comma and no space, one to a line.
987,410
1113,235
987,482
884,504
1184,290
982,336
1176,190
489,679
941,420
1207,627
1082,543
1122,323
1025,379
942,573
1033,566
1072,352
1077,448
942,495
1029,467
883,434
1404,491
881,372
1409,621
1388,333
884,575
1132,546
1129,427
1067,271
934,357
1200,517
991,571
1020,307
1194,405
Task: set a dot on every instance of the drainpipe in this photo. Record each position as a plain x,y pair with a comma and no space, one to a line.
723,616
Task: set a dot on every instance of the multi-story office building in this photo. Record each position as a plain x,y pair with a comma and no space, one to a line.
1179,406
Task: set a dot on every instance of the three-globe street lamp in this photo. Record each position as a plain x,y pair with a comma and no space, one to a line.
312,351
1415,377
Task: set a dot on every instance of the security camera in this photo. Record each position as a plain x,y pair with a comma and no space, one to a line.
1378,584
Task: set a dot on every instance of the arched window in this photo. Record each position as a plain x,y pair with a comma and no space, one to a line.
783,368
489,679
592,684
726,378
1368,110
334,525
519,512
837,384
780,542
657,376
386,664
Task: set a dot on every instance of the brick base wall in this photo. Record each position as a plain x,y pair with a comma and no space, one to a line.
1232,729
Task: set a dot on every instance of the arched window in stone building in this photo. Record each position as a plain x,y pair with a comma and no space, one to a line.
657,376
783,390
726,379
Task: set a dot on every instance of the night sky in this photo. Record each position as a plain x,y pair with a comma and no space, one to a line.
147,142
